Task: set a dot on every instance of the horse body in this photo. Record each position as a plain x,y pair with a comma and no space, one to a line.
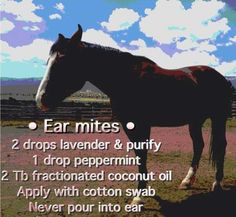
144,93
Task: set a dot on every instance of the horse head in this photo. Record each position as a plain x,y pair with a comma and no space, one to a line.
60,79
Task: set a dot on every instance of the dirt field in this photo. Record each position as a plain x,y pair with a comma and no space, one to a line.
175,154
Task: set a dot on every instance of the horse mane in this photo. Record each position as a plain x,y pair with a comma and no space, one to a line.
59,46
100,47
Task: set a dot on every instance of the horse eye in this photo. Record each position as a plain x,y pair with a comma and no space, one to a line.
60,54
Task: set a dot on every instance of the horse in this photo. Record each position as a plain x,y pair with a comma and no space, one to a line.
144,93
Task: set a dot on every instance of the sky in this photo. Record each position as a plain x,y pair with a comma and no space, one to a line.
173,33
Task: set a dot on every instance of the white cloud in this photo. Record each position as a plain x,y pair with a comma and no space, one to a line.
55,16
155,54
24,10
233,39
138,43
121,19
228,43
31,28
227,68
60,7
6,26
169,21
26,52
188,58
188,44
99,37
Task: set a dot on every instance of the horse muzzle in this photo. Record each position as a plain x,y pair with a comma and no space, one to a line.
41,102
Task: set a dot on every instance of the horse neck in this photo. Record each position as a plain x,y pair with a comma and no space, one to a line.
103,67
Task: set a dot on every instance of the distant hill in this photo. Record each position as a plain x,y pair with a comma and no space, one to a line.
35,82
25,88
19,81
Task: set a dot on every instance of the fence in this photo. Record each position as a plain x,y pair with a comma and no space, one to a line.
233,111
9,111
68,111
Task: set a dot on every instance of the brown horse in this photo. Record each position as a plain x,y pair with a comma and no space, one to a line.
144,93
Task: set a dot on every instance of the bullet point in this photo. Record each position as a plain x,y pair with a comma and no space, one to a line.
130,125
33,126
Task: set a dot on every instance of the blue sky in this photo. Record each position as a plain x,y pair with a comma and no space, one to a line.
173,33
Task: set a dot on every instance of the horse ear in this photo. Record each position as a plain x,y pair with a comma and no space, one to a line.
61,37
76,37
